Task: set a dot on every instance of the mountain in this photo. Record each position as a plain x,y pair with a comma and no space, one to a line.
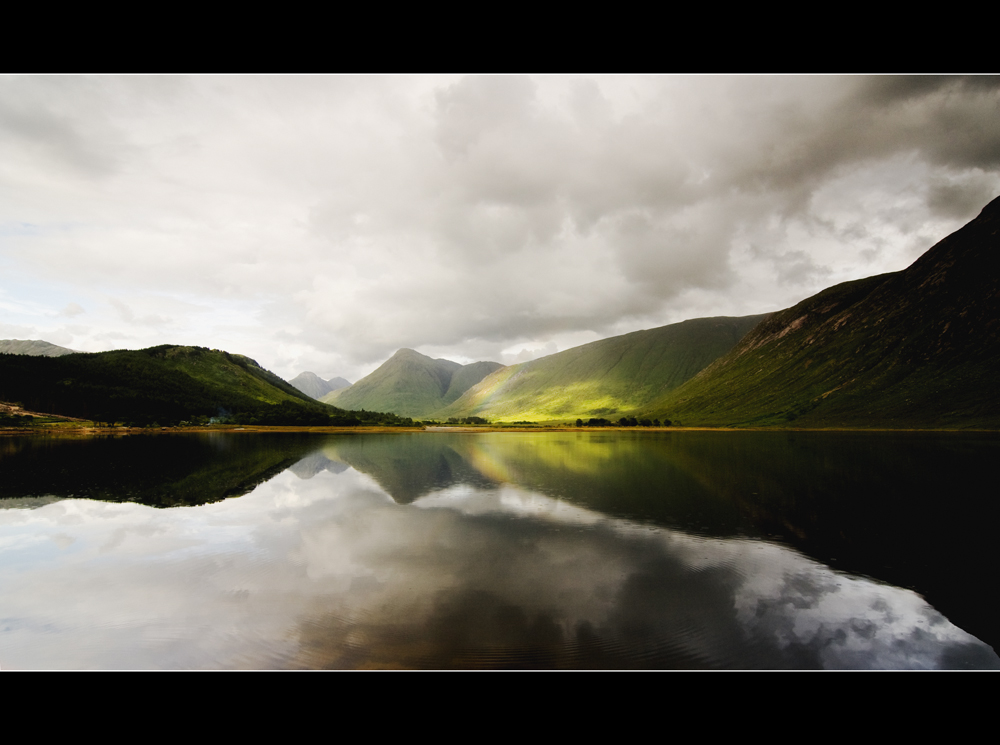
916,348
411,384
314,386
35,348
603,378
165,384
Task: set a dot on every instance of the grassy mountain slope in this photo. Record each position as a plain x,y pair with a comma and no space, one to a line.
411,384
466,377
916,348
35,347
224,370
604,377
164,384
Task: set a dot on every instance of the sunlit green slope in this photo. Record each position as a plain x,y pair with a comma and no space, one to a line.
916,348
411,384
603,378
223,370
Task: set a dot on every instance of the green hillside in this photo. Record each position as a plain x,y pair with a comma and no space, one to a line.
917,348
411,384
165,384
603,378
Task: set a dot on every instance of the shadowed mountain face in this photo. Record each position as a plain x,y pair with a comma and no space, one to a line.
411,384
164,384
36,348
314,386
916,348
603,378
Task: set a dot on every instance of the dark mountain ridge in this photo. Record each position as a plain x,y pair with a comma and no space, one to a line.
167,384
915,348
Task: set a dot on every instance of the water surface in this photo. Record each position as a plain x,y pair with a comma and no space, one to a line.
521,550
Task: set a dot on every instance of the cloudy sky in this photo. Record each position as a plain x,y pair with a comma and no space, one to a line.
321,223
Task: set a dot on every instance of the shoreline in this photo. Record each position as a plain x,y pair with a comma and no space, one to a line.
84,431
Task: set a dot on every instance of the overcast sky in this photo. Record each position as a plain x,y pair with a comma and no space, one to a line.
321,223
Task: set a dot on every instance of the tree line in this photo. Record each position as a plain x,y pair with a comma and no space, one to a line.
624,422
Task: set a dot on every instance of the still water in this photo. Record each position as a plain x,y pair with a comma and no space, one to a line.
499,550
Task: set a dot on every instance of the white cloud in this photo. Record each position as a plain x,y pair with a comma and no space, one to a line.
460,214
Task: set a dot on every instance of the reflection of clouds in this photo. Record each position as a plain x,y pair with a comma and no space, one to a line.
644,596
843,621
331,572
510,501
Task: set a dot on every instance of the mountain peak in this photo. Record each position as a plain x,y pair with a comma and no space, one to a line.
314,386
412,384
405,353
991,209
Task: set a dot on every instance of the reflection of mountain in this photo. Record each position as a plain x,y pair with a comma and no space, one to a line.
156,470
533,567
317,463
495,580
868,503
408,465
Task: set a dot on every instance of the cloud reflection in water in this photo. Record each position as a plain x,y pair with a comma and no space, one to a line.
321,568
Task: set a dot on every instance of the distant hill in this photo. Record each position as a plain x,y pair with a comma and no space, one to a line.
165,384
604,378
35,348
917,348
314,386
411,384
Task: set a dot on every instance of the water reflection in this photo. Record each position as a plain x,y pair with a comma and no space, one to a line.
461,551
